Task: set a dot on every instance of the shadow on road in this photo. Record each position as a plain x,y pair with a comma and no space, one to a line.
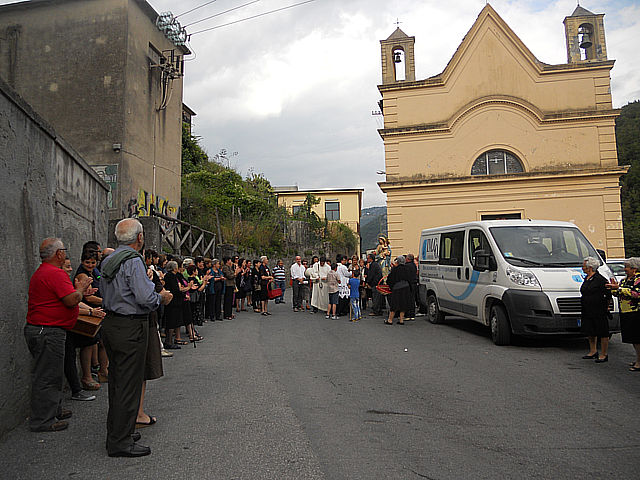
569,343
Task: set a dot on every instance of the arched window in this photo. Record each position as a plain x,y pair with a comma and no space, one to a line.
496,162
399,63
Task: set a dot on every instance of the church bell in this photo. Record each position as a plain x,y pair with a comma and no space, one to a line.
397,58
585,38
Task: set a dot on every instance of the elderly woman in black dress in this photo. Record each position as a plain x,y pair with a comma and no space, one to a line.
628,291
594,304
399,280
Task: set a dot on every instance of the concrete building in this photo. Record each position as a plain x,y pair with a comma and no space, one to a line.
342,205
47,190
500,134
110,82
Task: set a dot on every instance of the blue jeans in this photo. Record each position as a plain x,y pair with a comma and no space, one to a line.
355,309
281,285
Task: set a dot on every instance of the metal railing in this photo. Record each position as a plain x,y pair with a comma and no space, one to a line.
182,238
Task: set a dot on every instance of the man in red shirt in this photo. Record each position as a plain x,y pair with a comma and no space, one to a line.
53,309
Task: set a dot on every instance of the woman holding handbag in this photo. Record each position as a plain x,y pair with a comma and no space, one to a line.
216,289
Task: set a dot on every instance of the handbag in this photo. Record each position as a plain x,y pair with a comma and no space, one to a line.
87,325
382,287
273,292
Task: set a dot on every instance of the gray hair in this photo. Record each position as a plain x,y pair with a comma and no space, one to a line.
172,266
49,247
187,261
214,261
592,263
127,231
401,260
263,258
633,262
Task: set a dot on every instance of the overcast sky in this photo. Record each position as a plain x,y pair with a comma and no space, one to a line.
293,92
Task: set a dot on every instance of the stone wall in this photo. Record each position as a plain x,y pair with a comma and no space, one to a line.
48,190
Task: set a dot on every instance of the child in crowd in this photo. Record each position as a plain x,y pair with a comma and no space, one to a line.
354,297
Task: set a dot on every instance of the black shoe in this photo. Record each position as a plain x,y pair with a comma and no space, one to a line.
590,357
172,346
135,436
602,360
134,450
64,414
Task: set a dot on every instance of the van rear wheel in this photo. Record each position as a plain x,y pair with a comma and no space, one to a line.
434,315
500,327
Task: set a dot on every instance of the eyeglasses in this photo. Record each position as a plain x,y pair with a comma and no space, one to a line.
63,249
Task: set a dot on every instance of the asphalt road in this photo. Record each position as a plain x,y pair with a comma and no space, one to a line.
297,396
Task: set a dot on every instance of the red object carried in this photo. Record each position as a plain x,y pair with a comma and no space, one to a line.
382,287
273,292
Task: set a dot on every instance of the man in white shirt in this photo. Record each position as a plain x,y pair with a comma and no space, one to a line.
297,280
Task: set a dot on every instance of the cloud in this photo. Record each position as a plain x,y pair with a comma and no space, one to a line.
293,92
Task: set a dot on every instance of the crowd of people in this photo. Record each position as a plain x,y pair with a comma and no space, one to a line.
150,305
147,301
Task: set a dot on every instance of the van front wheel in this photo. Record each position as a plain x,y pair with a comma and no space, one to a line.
434,315
500,328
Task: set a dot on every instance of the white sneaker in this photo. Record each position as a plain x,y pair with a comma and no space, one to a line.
334,318
327,316
166,353
83,397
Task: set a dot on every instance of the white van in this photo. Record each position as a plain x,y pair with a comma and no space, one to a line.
519,277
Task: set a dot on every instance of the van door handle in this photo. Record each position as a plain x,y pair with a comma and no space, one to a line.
459,272
466,273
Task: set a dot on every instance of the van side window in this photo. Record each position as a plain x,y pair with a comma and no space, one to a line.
478,241
451,248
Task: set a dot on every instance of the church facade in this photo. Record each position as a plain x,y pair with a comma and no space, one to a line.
500,134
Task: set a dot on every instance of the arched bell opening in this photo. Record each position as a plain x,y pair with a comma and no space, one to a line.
585,41
399,64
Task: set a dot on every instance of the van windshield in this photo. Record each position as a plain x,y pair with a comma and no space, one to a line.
543,246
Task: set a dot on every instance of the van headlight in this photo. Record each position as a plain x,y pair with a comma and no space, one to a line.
522,277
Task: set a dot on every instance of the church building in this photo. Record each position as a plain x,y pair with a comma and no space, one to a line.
500,134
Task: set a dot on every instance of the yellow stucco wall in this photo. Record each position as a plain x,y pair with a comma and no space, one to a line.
350,204
495,95
592,202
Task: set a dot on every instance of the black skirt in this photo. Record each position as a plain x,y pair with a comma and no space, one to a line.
400,300
630,327
173,316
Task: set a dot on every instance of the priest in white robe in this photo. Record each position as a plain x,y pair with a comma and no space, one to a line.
319,272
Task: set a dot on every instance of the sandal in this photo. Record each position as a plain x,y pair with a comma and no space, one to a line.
90,385
634,369
387,323
197,338
151,421
181,342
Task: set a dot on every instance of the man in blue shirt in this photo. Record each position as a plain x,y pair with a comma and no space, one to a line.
128,298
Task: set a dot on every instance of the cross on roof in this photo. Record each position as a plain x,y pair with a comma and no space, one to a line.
398,22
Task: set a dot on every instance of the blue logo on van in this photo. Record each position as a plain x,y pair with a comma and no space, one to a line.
430,248
472,284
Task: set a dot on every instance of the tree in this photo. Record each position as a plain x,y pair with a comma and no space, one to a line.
628,144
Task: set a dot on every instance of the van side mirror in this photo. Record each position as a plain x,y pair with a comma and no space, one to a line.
602,254
483,261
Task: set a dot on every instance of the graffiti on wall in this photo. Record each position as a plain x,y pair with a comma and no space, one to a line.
109,174
147,203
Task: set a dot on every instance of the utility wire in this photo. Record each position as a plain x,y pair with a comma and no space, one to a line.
195,8
251,18
221,13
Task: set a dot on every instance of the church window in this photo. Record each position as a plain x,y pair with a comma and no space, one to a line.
496,162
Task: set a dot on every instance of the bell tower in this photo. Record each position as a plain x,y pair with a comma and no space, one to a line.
585,36
398,61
